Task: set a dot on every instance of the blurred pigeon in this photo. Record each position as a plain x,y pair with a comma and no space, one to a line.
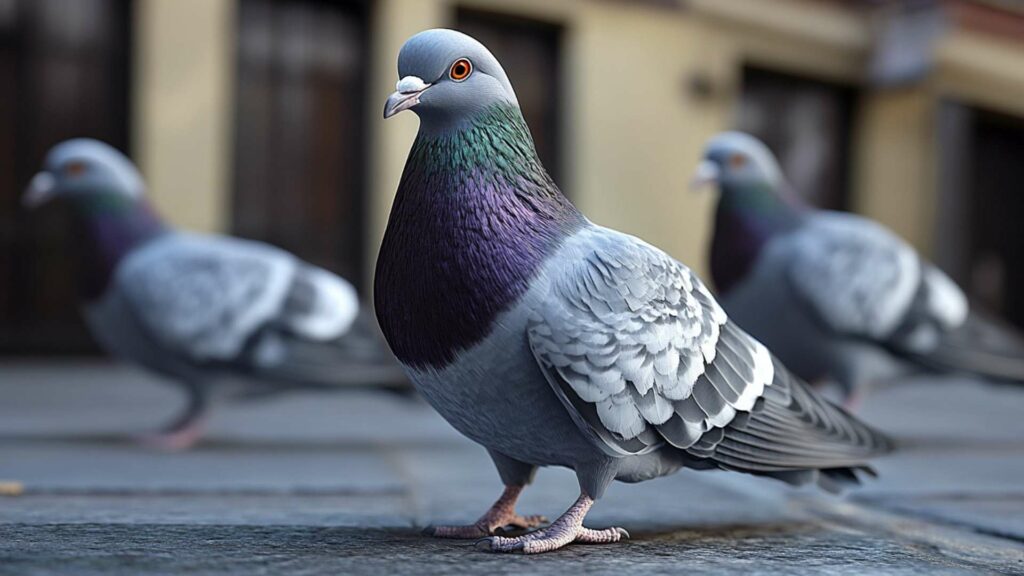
835,295
203,309
553,341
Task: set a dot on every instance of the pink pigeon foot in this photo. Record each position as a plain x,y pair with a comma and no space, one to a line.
566,530
177,439
502,514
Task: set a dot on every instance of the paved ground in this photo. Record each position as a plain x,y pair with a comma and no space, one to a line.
342,483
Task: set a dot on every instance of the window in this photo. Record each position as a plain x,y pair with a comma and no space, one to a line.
530,53
64,72
807,123
981,206
298,132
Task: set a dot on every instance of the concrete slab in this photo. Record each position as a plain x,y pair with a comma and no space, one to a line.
781,548
341,483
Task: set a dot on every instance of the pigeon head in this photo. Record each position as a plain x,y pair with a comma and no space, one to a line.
734,160
475,215
105,191
754,203
84,169
447,78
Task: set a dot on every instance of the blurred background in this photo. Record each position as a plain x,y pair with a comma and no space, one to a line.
262,118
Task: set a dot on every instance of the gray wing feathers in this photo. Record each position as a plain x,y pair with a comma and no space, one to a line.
642,356
795,436
632,332
938,307
319,305
861,280
216,299
205,297
853,275
944,300
982,345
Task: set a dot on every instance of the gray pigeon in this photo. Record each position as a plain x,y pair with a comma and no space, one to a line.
553,341
837,297
202,310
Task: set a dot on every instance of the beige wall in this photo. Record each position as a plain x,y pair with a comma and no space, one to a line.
894,165
183,73
983,71
634,130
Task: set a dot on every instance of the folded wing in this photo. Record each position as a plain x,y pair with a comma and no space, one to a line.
211,298
643,357
859,279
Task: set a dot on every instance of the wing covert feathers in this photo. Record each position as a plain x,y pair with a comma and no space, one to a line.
645,359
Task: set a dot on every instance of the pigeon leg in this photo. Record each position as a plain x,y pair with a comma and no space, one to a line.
186,429
567,529
501,514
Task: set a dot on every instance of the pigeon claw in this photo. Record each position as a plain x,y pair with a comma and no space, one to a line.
549,539
501,544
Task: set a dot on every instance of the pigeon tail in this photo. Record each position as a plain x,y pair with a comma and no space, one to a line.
983,346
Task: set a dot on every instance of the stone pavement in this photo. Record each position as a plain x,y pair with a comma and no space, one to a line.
341,483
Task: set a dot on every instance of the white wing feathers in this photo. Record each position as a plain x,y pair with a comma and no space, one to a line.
856,275
327,308
207,296
946,302
861,279
636,335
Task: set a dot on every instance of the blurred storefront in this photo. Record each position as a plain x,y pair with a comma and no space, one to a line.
263,118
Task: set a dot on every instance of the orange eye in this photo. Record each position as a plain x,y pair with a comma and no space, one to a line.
74,168
737,161
461,70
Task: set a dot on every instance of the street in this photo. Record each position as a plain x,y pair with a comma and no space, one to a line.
343,482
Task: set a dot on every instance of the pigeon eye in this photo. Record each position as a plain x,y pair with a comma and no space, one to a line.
460,70
74,169
737,161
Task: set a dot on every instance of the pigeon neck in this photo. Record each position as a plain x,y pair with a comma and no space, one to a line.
116,225
746,219
475,216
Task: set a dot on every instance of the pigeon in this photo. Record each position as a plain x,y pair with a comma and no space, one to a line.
838,297
552,341
202,309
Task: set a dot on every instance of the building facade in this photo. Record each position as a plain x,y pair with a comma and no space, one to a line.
263,118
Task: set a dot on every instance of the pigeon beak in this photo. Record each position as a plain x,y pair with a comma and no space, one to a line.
707,174
406,95
39,191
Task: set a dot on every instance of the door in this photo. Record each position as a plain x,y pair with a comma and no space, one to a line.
531,54
981,206
298,131
807,124
64,71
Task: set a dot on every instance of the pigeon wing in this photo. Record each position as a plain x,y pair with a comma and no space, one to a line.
859,279
206,297
642,356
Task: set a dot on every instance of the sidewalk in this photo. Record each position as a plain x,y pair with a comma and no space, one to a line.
341,483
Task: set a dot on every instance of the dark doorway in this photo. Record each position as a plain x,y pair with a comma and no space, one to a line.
531,54
982,205
807,124
298,130
64,73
